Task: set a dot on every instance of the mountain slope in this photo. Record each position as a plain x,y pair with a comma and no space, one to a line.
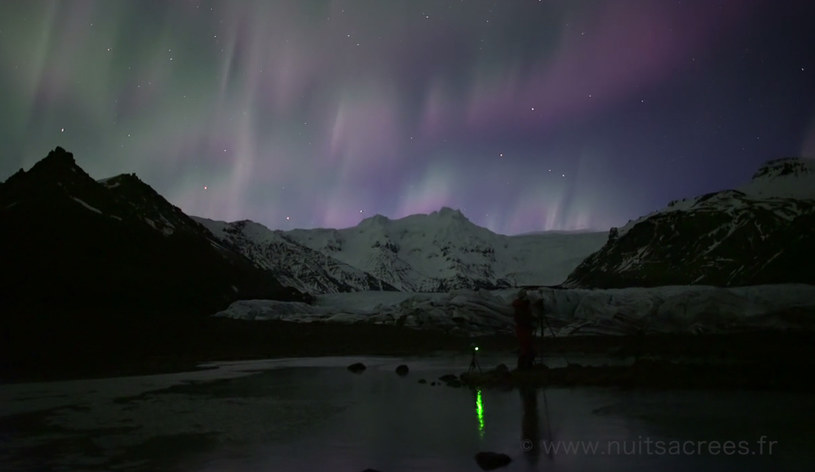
67,241
427,253
293,264
419,253
763,232
151,207
444,251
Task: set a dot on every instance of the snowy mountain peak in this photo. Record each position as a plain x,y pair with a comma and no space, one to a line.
296,265
150,207
444,250
121,179
432,252
447,212
255,231
791,166
784,178
761,232
58,167
57,158
55,180
376,220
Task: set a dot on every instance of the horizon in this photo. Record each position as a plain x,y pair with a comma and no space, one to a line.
391,218
396,218
440,210
527,116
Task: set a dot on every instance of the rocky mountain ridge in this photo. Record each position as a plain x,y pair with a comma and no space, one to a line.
762,232
435,252
68,240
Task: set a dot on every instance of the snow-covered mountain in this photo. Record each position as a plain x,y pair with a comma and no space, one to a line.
419,253
762,232
294,264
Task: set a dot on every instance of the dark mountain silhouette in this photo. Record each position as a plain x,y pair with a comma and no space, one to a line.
112,262
761,233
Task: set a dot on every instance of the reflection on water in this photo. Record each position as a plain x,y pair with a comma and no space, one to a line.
312,414
479,411
530,424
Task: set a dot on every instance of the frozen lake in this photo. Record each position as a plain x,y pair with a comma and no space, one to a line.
313,414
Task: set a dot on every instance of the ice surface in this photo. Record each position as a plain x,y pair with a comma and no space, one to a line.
573,311
312,414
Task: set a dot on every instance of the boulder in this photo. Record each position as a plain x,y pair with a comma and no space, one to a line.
357,367
450,380
402,370
492,460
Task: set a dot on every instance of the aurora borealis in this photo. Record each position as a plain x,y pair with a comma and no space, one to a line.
527,115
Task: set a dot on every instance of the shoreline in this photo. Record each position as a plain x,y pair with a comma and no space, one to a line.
746,358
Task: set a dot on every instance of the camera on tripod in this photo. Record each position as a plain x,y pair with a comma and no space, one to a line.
474,359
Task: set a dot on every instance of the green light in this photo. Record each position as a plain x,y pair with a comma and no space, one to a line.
479,411
476,348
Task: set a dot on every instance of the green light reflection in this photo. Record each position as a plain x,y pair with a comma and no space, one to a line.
479,411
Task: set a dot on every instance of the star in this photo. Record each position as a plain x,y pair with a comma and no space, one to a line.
325,122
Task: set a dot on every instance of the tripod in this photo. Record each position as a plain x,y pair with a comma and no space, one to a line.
540,326
474,360
542,319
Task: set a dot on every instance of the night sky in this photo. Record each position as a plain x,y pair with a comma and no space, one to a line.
527,115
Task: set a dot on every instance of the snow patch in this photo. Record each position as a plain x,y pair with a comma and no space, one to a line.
166,229
88,207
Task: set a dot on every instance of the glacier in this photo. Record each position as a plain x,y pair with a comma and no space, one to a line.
568,312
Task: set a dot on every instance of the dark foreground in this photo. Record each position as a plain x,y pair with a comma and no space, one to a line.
772,360
307,414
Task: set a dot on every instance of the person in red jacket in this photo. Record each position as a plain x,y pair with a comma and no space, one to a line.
524,329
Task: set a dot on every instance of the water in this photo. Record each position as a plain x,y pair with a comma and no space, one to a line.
312,414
